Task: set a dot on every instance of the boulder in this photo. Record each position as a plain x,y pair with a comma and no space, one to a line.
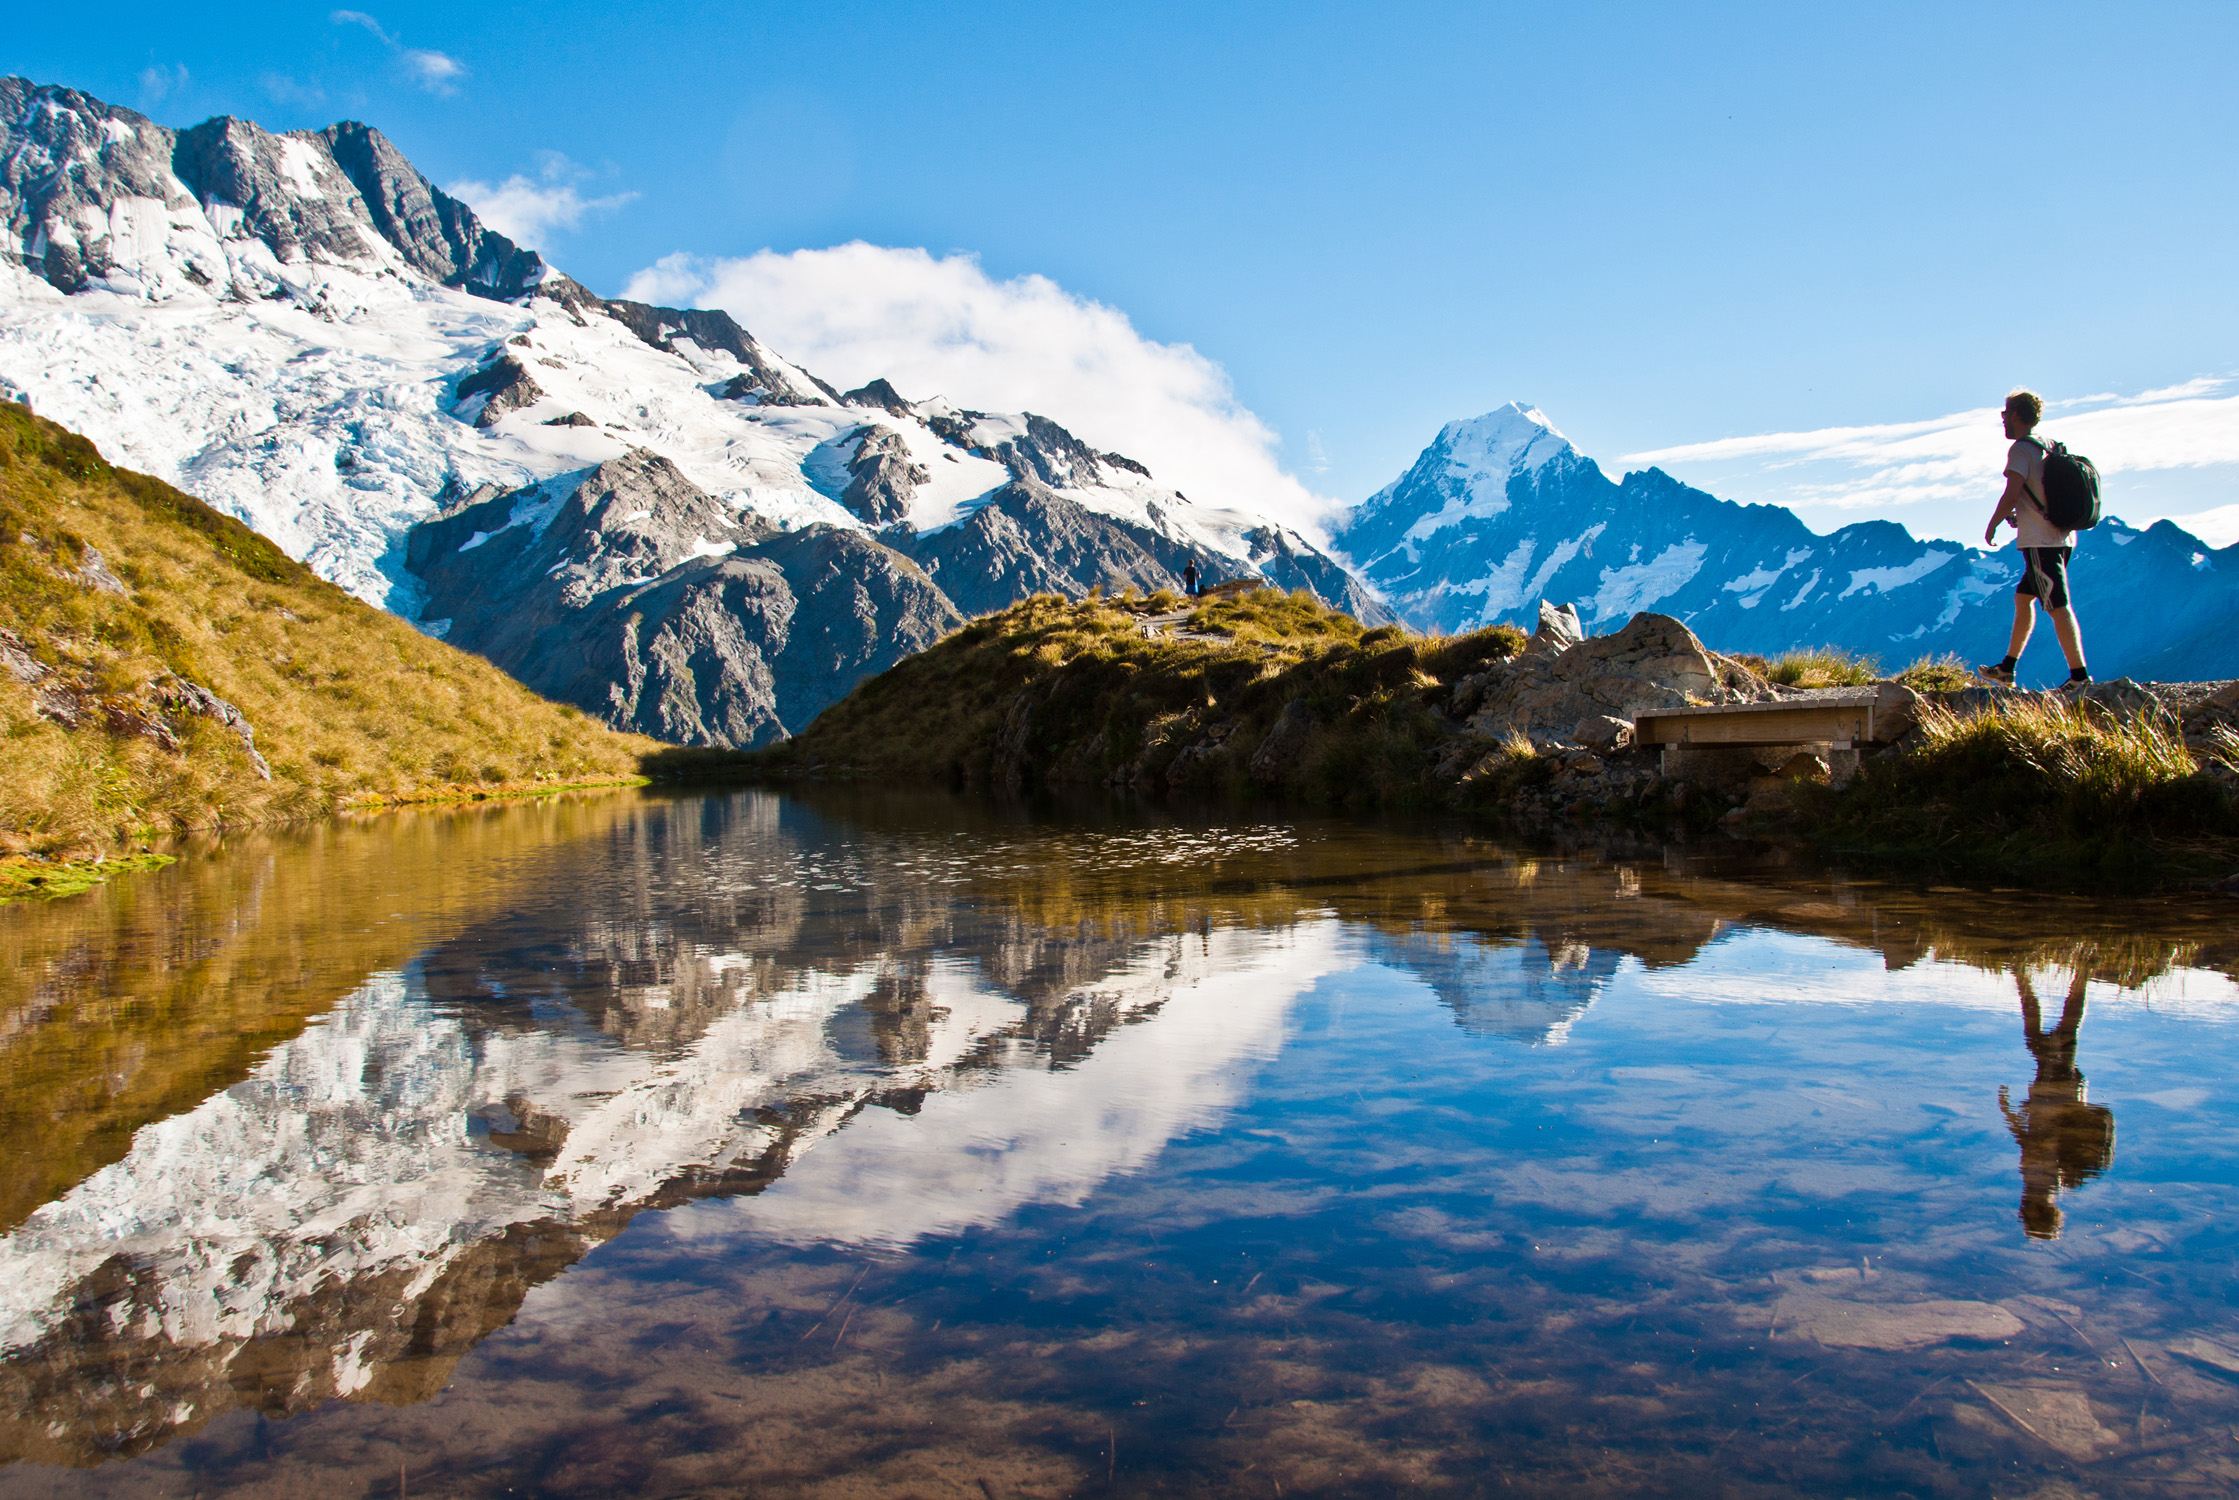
1604,733
1558,630
1548,696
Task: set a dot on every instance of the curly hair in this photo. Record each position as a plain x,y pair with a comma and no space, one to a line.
2026,404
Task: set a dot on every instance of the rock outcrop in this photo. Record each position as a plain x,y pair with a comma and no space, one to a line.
882,478
1548,695
505,385
632,594
767,379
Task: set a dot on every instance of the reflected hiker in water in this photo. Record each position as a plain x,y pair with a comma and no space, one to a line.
2065,1140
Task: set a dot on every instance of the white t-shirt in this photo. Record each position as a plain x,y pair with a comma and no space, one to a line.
2027,459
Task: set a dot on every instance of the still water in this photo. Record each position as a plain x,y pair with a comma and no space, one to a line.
841,1144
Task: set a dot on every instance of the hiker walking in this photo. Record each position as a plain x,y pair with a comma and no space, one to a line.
1189,578
2045,545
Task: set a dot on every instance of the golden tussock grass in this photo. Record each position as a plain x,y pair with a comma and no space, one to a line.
350,706
2043,789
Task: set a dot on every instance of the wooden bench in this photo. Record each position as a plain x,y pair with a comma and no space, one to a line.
1840,718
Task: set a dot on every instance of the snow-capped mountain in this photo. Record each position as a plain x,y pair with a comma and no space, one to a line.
304,331
1500,512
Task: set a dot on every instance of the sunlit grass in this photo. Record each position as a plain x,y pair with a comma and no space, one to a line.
1938,674
2043,788
1814,667
1074,692
349,704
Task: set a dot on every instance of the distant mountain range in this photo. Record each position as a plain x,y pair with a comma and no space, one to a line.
648,513
1501,511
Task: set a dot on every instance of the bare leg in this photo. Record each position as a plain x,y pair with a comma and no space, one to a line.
2024,618
2071,635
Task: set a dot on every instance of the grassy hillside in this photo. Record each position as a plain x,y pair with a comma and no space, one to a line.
164,667
1109,701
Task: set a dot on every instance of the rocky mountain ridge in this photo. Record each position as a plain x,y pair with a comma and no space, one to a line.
305,331
1501,512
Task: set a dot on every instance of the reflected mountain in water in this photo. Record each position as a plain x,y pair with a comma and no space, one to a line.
855,1022
1519,992
383,1190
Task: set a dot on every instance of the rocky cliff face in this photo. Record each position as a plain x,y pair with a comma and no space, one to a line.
1501,512
633,594
101,196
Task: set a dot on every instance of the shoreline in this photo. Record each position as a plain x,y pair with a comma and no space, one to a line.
28,877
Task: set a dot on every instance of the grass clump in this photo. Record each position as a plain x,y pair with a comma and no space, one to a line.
1938,674
1814,667
2045,791
122,599
1052,691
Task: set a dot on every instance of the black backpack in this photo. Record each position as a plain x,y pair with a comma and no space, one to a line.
2071,488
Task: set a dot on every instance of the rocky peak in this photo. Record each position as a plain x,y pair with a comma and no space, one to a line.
437,235
766,380
883,479
881,395
631,519
78,179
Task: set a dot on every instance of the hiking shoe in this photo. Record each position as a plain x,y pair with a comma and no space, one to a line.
2073,687
1996,672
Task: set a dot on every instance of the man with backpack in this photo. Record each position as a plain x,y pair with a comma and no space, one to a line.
2037,510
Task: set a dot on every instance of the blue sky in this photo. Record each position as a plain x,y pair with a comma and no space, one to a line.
1671,227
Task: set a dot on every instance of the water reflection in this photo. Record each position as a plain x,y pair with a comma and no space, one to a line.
313,1120
2065,1140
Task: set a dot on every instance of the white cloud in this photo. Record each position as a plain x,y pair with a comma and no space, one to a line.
157,83
437,72
1943,474
941,326
525,209
360,18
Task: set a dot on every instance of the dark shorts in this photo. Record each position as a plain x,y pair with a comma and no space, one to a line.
2044,575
